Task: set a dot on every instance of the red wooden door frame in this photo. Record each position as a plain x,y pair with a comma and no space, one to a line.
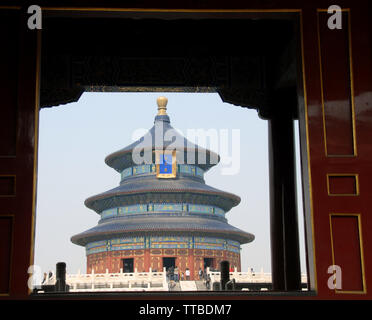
320,206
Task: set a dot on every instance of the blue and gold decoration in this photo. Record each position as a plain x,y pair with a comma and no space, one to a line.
185,208
184,169
166,166
162,242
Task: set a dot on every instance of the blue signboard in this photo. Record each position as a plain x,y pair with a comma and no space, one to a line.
165,166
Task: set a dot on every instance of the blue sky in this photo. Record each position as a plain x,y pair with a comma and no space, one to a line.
74,140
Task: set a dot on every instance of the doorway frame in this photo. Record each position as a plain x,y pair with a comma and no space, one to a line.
302,110
123,263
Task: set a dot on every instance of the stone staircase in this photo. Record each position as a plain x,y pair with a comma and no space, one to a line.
175,286
200,285
188,286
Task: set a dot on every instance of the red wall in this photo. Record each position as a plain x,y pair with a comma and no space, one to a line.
144,259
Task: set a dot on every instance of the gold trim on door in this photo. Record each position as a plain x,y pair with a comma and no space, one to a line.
351,80
14,187
7,294
355,175
364,291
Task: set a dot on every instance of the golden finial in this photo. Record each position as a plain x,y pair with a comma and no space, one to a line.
162,106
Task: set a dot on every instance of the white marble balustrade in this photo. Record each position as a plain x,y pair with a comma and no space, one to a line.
135,281
247,277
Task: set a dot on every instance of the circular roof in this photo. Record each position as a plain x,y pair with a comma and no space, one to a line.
154,186
120,227
162,136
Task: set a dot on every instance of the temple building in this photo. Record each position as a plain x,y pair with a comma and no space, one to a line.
162,214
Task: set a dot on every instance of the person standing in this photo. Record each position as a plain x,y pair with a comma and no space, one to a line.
176,274
187,274
50,276
208,282
171,273
45,278
200,273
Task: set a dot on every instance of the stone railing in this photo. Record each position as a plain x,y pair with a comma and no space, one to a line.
152,281
135,281
247,277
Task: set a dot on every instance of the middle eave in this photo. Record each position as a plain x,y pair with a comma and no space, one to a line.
150,188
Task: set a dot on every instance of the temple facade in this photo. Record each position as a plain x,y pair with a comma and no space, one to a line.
162,214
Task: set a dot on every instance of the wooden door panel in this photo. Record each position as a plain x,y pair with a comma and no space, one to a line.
339,123
19,66
347,251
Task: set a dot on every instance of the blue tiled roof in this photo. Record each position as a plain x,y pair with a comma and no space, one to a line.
168,225
122,159
151,184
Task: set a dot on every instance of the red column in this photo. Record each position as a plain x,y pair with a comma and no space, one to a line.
146,261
